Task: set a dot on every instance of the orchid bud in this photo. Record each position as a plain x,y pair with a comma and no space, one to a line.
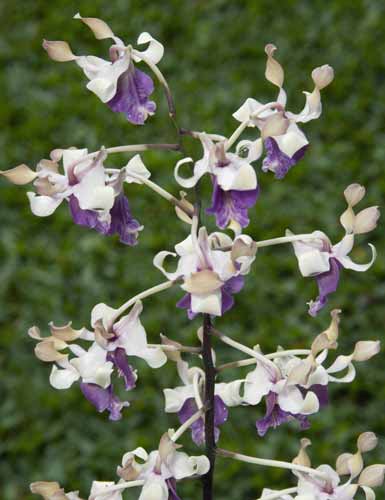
19,175
59,51
366,220
274,72
342,464
322,76
100,29
303,458
372,476
366,349
354,194
367,442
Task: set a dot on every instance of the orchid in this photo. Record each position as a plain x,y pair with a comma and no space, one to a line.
211,267
186,400
117,82
320,259
210,275
284,141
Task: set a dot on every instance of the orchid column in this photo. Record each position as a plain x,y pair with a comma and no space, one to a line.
211,268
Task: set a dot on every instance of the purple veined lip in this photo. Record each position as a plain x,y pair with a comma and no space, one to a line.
119,358
121,223
327,283
231,205
279,162
132,96
188,409
104,399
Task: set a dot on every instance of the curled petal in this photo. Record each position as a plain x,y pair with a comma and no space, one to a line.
347,262
369,493
158,263
63,378
65,333
43,206
252,149
59,51
47,351
199,170
249,107
19,175
154,51
349,377
100,29
230,392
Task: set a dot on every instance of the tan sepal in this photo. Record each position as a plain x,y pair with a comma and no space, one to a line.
354,194
128,472
171,355
59,51
274,72
167,447
102,336
366,349
47,350
242,249
300,374
332,331
320,343
19,175
355,464
182,215
322,76
65,332
372,476
303,458
347,220
100,28
47,489
34,333
277,124
342,464
367,441
202,282
366,220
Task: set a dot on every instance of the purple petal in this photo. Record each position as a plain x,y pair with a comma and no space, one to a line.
86,218
321,391
104,399
185,303
279,162
275,416
233,204
119,358
327,283
132,93
221,412
122,222
233,285
171,485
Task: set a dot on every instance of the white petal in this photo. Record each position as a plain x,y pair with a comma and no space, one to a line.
43,206
249,107
155,488
346,379
158,263
70,156
154,356
210,303
349,264
102,312
63,378
340,363
155,49
200,168
175,398
344,247
313,262
230,393
257,384
181,465
254,149
99,486
310,404
290,398
292,141
238,175
137,167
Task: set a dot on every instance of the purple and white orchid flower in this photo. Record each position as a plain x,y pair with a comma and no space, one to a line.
295,388
93,367
186,400
117,82
320,259
95,196
284,141
210,275
235,187
157,473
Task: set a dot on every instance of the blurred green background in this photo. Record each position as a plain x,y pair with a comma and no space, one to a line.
51,269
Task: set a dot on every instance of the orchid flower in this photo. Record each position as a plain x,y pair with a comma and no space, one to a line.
320,259
93,367
186,400
326,483
117,82
210,275
284,141
95,197
235,187
295,388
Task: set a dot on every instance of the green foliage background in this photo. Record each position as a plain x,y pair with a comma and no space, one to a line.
51,269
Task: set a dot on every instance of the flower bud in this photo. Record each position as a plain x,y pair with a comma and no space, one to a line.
303,458
366,220
372,476
59,51
354,194
322,76
366,349
274,72
367,441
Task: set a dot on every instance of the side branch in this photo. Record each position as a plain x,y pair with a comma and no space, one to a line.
209,401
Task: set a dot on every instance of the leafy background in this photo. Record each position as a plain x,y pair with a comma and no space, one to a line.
51,269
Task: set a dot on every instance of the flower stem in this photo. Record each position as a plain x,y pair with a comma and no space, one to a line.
183,428
208,479
269,463
118,487
285,239
252,361
173,348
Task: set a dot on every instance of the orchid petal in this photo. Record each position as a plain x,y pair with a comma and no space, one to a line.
349,264
100,28
154,51
200,168
136,167
43,206
19,175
